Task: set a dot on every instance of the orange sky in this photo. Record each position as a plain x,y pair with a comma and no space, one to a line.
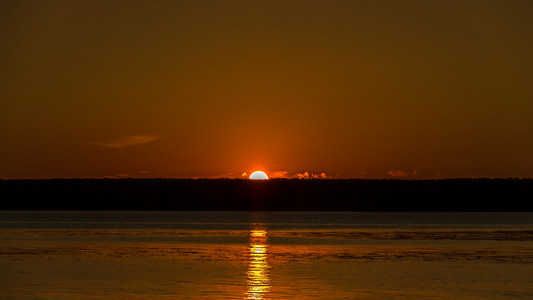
375,89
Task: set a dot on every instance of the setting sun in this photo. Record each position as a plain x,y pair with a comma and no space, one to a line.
396,139
259,175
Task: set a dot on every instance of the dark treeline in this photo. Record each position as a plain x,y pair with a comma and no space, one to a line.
278,194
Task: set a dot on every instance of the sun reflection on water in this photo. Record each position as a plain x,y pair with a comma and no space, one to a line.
258,279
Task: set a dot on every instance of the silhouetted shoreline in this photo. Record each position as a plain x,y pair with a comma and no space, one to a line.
271,195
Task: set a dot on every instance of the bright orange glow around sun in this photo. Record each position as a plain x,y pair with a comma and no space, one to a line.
259,175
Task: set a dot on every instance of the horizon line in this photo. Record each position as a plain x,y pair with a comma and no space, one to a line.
276,178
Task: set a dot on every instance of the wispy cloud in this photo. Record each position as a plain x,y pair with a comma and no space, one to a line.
397,173
402,173
116,176
127,141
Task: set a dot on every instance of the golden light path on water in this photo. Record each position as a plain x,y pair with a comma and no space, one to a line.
258,284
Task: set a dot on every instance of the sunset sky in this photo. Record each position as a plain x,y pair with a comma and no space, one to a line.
374,89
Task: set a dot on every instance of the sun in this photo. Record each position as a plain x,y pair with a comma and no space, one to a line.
259,175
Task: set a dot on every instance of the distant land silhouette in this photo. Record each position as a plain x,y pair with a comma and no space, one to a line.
269,195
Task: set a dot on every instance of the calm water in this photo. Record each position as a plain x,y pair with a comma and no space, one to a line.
236,255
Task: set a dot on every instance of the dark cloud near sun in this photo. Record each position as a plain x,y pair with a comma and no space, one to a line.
127,141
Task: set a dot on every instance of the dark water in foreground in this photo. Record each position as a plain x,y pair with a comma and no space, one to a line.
271,255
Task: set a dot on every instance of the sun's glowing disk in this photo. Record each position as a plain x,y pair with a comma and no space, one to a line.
258,175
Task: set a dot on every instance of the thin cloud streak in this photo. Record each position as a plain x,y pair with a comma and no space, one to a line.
278,174
397,173
128,141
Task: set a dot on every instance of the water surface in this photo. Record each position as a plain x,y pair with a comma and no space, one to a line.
269,255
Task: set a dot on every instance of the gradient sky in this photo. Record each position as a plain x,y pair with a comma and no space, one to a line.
375,89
